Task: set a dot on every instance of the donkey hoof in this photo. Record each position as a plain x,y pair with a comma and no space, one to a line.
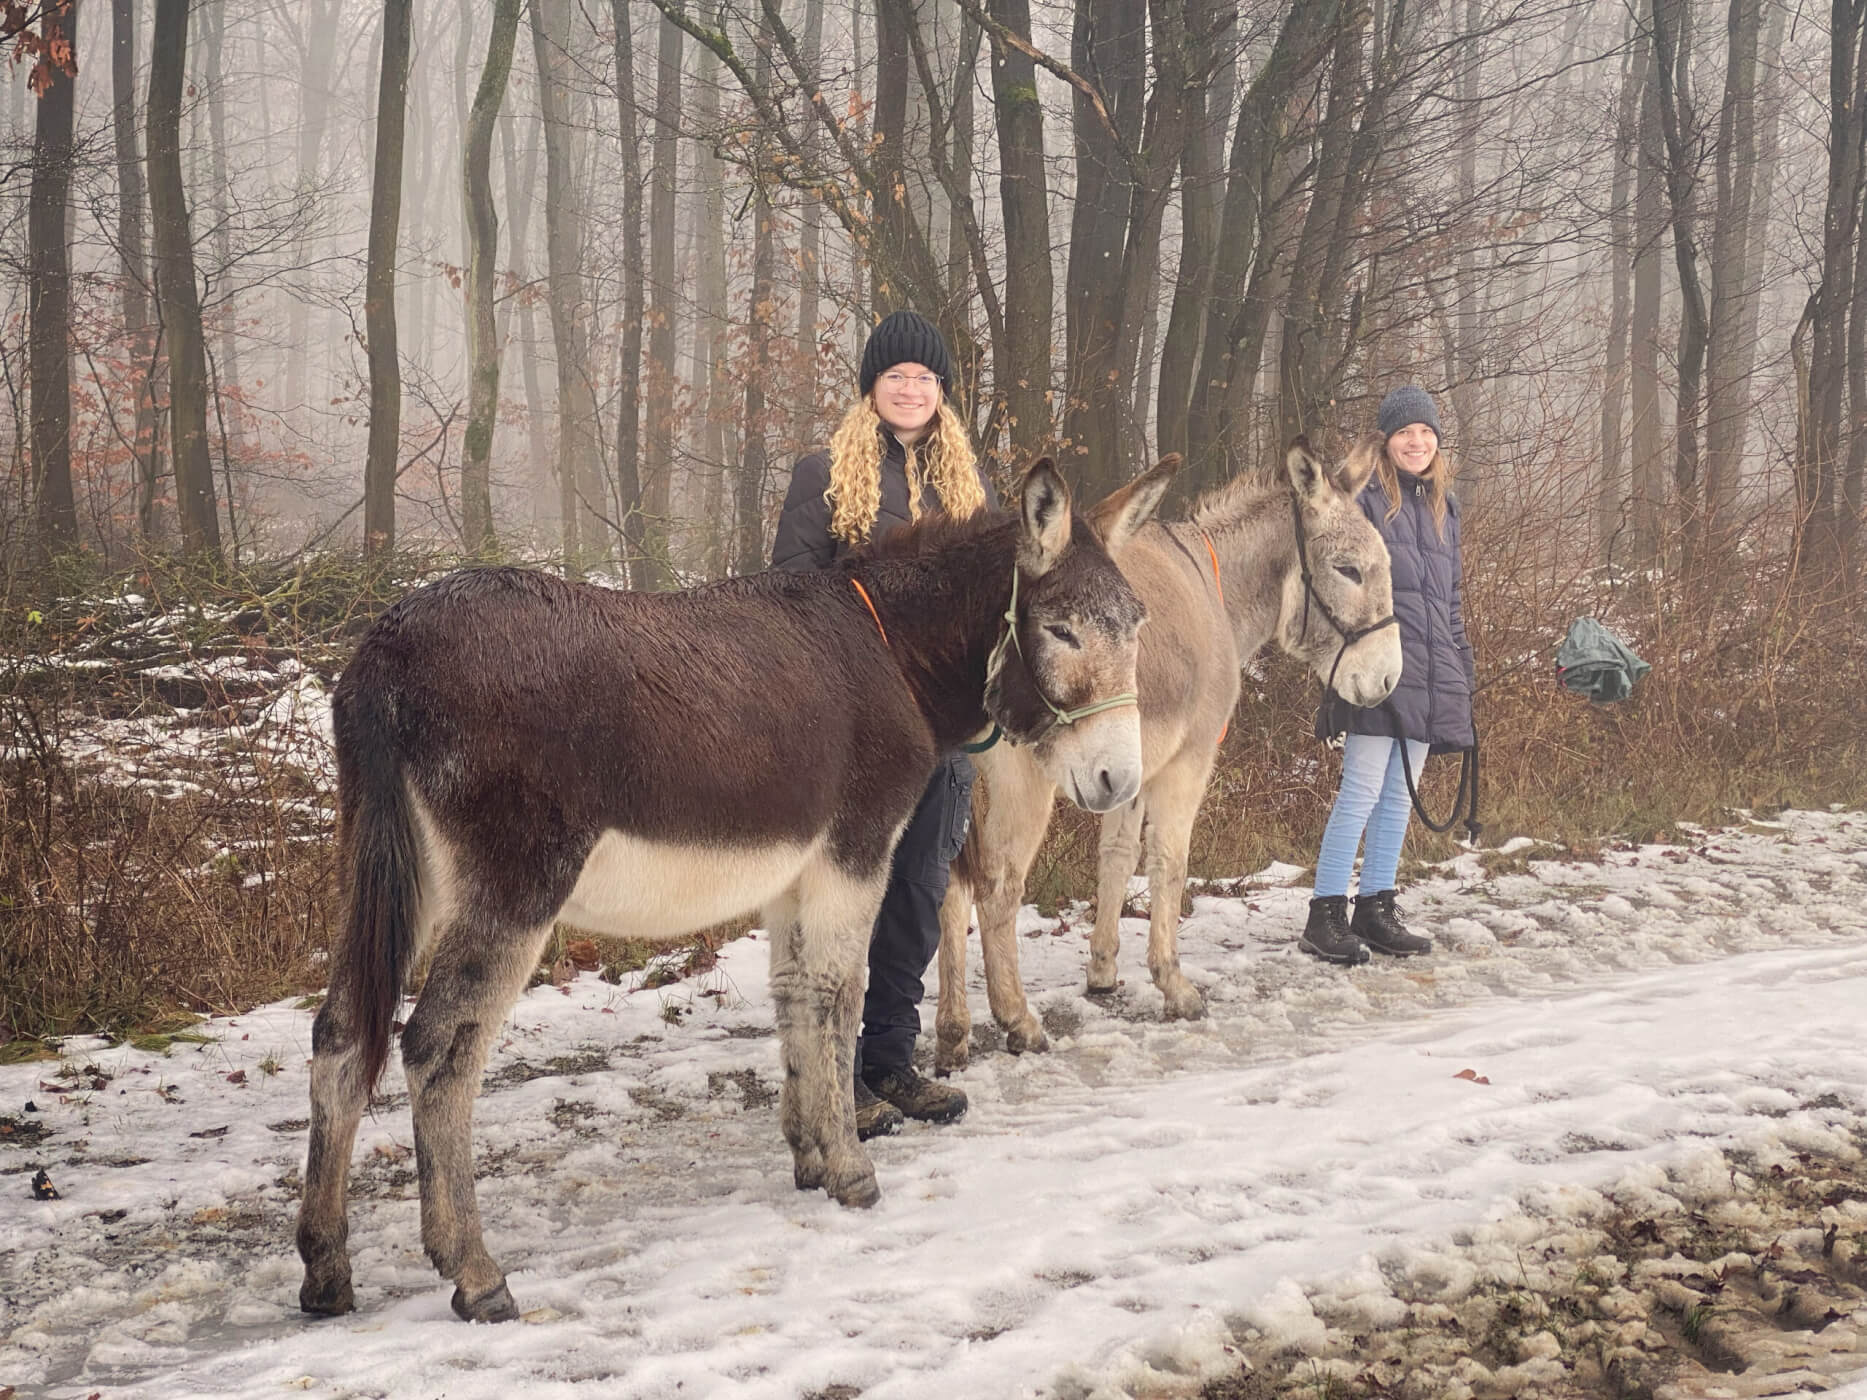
951,1054
1027,1039
329,1297
495,1305
1185,1004
859,1194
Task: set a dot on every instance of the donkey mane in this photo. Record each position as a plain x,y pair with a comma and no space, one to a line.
931,534
1232,504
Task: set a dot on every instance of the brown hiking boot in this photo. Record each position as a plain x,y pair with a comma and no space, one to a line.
874,1117
1326,935
915,1096
1377,923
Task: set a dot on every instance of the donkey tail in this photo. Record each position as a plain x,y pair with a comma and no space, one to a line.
384,857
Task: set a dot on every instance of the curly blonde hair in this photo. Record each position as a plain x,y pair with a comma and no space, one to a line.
942,455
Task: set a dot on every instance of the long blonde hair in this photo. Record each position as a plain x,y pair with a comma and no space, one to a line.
1437,476
942,455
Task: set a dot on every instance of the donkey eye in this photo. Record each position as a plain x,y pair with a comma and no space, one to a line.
1349,572
1062,634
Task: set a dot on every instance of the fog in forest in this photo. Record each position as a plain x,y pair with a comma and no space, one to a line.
1620,242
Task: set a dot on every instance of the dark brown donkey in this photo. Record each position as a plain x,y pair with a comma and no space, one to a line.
513,750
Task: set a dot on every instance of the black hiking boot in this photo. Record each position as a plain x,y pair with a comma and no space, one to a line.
916,1097
1377,923
874,1117
1326,935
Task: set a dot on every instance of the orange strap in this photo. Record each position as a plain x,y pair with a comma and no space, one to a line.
870,602
1213,555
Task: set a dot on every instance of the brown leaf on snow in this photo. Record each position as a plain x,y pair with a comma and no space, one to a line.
583,953
1472,1075
563,972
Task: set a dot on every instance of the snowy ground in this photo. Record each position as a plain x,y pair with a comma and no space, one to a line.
1108,1220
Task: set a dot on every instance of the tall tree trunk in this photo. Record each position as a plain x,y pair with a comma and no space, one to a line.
175,283
1646,488
809,257
890,288
663,311
1248,243
132,254
1671,50
1202,200
1469,323
629,376
385,435
1819,466
1024,199
226,385
581,494
1610,490
319,21
749,512
1733,278
49,297
1105,41
521,180
476,486
711,381
1301,369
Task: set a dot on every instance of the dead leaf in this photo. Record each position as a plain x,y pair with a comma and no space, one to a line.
563,972
583,953
237,1077
1472,1075
221,1131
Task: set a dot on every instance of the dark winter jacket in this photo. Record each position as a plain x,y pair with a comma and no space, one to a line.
804,540
1433,701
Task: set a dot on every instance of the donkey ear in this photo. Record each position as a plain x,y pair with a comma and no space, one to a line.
1362,459
1120,513
1308,477
1046,518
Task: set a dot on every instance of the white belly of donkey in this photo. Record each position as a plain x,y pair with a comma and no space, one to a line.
636,888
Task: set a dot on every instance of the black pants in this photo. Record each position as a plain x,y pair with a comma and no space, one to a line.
907,931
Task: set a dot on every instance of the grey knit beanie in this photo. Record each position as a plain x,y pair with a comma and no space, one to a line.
1405,406
904,338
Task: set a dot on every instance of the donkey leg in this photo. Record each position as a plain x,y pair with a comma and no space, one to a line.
1014,829
817,983
1172,797
787,974
1116,853
953,1023
477,972
338,1097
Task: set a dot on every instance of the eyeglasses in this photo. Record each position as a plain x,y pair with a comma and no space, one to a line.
896,380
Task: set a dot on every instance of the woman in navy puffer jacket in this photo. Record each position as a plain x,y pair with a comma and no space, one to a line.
1410,503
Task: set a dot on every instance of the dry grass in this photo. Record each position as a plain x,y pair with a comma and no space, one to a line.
206,881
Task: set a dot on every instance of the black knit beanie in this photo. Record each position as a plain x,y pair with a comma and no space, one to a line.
1405,406
904,338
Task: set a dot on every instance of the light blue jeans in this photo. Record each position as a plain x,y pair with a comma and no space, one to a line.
1373,798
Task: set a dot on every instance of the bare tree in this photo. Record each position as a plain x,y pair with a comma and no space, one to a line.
1024,374
581,493
658,478
132,255
385,434
175,283
49,295
1611,487
476,489
629,367
1647,485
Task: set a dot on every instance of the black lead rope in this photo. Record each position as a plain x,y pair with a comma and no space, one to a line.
1465,802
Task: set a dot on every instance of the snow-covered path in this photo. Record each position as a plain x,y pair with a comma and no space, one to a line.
1107,1215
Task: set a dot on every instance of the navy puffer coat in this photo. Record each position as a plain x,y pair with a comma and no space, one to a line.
1433,701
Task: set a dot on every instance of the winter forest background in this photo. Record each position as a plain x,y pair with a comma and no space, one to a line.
635,248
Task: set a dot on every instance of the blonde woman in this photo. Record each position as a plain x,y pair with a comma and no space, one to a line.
899,453
1411,504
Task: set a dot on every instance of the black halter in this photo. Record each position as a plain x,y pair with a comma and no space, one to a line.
1349,635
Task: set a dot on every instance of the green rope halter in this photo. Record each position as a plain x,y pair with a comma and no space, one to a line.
1009,637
